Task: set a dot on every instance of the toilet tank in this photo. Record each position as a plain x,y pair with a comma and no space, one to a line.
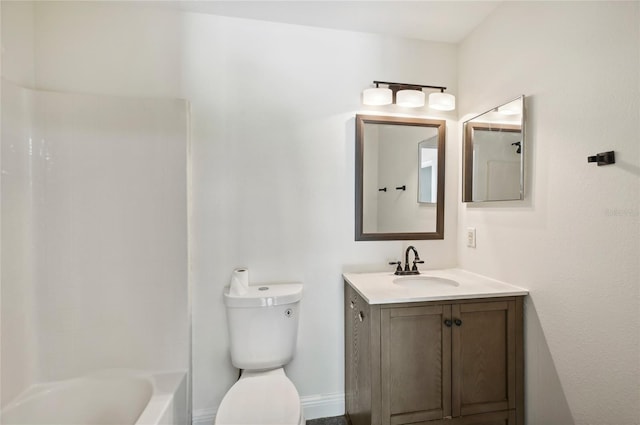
263,325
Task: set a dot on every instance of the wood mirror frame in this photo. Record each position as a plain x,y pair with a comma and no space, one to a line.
440,126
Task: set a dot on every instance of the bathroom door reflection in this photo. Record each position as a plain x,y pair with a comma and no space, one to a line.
428,171
497,162
493,150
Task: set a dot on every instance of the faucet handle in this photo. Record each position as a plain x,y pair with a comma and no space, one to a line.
415,268
398,264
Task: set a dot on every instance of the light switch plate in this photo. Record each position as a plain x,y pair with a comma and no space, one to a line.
471,237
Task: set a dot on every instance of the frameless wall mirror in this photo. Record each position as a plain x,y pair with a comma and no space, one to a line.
399,178
493,151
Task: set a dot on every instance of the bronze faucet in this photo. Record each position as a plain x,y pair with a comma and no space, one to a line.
416,260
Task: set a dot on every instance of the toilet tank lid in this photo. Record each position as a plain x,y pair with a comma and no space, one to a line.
265,295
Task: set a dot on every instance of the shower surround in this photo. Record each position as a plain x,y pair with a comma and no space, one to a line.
94,236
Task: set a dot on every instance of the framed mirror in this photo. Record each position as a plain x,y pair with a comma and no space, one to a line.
399,178
492,154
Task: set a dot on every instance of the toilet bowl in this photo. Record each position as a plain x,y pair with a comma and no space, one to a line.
261,398
263,328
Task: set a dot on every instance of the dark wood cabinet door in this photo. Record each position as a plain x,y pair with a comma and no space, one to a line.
415,364
483,357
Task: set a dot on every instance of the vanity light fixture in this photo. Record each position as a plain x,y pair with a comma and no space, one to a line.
407,95
377,96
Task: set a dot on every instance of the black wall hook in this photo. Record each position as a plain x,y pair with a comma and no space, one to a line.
384,189
403,187
518,146
603,158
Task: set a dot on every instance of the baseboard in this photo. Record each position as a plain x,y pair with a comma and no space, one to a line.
204,416
314,406
323,405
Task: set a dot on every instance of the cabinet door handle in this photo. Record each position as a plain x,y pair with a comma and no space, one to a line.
448,323
361,316
458,322
352,305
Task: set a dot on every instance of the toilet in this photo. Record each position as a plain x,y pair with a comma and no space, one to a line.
263,330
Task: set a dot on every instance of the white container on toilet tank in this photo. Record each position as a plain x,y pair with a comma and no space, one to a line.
263,325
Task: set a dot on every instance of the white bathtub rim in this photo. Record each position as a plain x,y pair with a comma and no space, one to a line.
163,387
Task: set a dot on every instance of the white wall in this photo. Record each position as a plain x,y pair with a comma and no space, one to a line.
111,279
18,366
273,111
18,42
18,315
574,240
94,235
273,177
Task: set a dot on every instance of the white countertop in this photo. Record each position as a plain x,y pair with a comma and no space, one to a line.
378,288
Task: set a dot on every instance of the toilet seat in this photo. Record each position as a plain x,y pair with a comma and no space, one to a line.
268,398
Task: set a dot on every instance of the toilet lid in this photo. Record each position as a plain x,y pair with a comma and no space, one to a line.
269,399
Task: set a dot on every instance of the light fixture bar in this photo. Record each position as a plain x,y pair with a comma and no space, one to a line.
401,86
408,95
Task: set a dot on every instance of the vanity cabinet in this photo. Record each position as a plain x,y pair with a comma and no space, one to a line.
457,362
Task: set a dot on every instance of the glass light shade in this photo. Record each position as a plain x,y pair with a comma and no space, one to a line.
410,98
377,96
442,101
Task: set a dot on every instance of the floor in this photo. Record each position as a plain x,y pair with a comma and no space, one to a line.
337,420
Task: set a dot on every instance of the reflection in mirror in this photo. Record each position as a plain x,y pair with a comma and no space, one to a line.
428,170
493,147
399,178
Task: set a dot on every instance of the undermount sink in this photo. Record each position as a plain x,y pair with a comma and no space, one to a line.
421,280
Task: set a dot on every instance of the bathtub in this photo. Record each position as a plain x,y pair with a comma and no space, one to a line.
108,397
